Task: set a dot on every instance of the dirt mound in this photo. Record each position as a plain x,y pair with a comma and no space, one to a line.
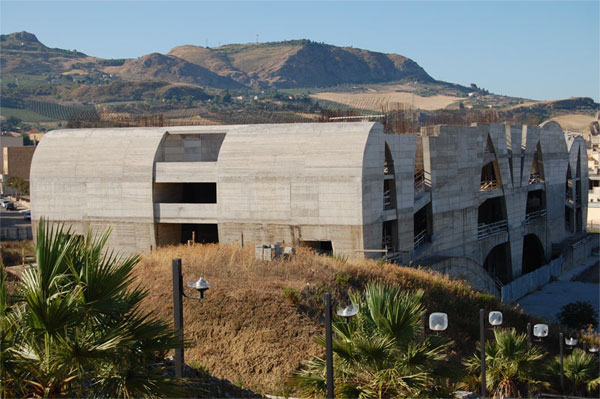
258,322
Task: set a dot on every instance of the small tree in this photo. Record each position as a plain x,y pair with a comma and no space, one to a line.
382,352
512,366
578,315
581,373
76,329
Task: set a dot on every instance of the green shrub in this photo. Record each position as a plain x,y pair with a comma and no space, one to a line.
343,279
578,315
292,295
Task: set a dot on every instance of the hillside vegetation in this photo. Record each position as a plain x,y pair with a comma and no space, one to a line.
259,319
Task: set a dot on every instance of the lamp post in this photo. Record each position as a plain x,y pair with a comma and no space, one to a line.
495,319
201,285
346,313
540,331
562,370
438,321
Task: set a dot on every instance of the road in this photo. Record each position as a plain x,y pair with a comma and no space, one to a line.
13,219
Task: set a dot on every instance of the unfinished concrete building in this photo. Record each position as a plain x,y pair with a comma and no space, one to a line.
485,203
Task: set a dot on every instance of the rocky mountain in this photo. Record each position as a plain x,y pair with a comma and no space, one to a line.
288,64
302,63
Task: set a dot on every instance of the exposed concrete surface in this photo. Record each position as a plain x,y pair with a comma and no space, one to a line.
547,301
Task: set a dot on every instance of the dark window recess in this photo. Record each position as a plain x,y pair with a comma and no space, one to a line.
536,201
321,247
491,211
498,264
186,193
200,233
533,254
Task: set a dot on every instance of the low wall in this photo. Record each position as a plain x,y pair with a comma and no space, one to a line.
521,286
15,233
577,253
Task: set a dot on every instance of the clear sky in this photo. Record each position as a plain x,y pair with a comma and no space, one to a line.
541,49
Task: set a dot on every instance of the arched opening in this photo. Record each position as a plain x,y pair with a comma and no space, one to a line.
536,205
533,254
422,226
491,217
536,175
570,201
490,177
498,264
389,184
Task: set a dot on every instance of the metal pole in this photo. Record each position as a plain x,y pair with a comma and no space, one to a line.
482,342
178,314
329,351
529,340
562,370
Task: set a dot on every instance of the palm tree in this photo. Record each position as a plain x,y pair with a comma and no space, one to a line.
381,352
580,370
512,366
76,328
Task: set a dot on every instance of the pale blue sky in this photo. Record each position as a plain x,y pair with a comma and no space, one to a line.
542,49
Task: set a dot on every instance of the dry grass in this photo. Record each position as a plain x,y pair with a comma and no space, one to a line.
248,331
574,121
378,100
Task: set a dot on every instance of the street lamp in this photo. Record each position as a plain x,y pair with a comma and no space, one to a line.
540,331
346,313
495,319
201,286
438,321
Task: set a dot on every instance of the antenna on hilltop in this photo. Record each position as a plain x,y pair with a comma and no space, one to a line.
206,43
257,38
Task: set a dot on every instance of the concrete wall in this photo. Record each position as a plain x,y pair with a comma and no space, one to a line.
298,183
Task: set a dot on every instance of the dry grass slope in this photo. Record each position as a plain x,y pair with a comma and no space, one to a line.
248,331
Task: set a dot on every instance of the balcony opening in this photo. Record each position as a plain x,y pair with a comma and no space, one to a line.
569,222
185,193
388,165
321,247
490,177
389,236
533,254
578,220
536,175
175,233
498,264
536,206
569,185
389,194
491,218
422,226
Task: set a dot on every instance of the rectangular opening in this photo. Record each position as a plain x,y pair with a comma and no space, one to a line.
203,147
173,233
185,193
321,247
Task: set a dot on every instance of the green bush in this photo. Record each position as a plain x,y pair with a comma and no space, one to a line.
292,295
578,315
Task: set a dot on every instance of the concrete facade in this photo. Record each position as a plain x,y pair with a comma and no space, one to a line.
484,203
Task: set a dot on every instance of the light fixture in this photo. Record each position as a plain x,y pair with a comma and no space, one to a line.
495,318
593,349
438,321
540,330
201,285
348,312
571,342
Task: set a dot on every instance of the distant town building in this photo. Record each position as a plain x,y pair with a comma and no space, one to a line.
487,203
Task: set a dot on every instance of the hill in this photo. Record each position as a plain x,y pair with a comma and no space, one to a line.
22,52
258,321
302,63
168,68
